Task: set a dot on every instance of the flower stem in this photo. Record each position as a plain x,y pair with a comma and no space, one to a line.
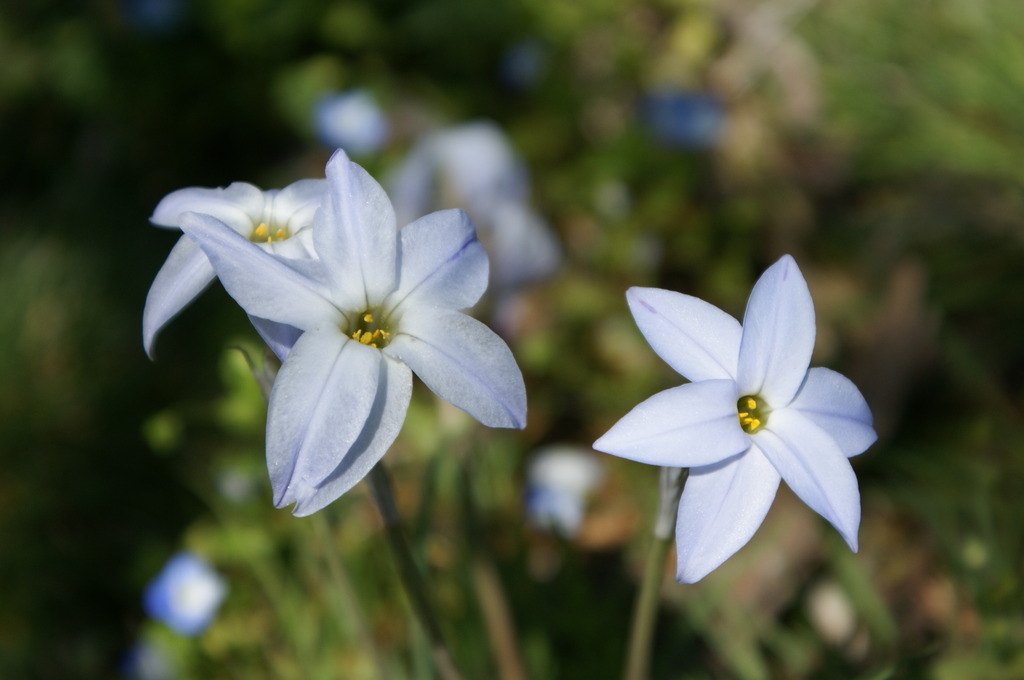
415,588
497,614
646,608
347,608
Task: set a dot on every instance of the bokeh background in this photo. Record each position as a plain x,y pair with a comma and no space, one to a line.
684,144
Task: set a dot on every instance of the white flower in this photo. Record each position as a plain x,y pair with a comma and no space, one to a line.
559,479
752,415
352,121
279,220
473,166
186,594
376,304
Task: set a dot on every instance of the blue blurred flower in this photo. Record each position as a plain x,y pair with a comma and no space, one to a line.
147,661
351,121
186,594
473,166
683,120
522,64
559,479
153,17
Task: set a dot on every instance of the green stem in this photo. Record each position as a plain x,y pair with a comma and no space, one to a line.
415,588
347,607
641,636
497,614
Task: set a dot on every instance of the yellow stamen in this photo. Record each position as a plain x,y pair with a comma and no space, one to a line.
751,414
280,234
365,329
261,231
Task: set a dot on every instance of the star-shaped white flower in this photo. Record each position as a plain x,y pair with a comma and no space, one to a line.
753,413
375,304
279,220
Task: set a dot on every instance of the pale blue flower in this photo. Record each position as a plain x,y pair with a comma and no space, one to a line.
752,415
523,64
147,661
683,120
351,121
473,166
558,481
186,594
279,221
378,305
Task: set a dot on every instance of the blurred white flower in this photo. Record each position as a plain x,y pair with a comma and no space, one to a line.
559,480
752,415
186,594
351,121
473,166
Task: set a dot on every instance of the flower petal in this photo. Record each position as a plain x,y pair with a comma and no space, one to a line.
778,334
442,264
322,398
697,339
295,206
355,233
813,466
685,426
721,507
280,337
832,402
263,285
184,275
464,362
382,427
237,205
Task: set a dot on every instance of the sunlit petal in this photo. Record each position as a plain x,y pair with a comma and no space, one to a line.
237,205
183,276
686,426
263,285
355,232
721,507
295,206
813,466
321,401
465,363
442,263
778,334
697,339
382,427
831,401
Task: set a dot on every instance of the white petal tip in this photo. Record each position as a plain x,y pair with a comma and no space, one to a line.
690,576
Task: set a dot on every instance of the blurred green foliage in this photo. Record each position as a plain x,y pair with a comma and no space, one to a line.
877,141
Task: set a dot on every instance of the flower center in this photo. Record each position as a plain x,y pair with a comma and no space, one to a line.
753,414
369,331
267,234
